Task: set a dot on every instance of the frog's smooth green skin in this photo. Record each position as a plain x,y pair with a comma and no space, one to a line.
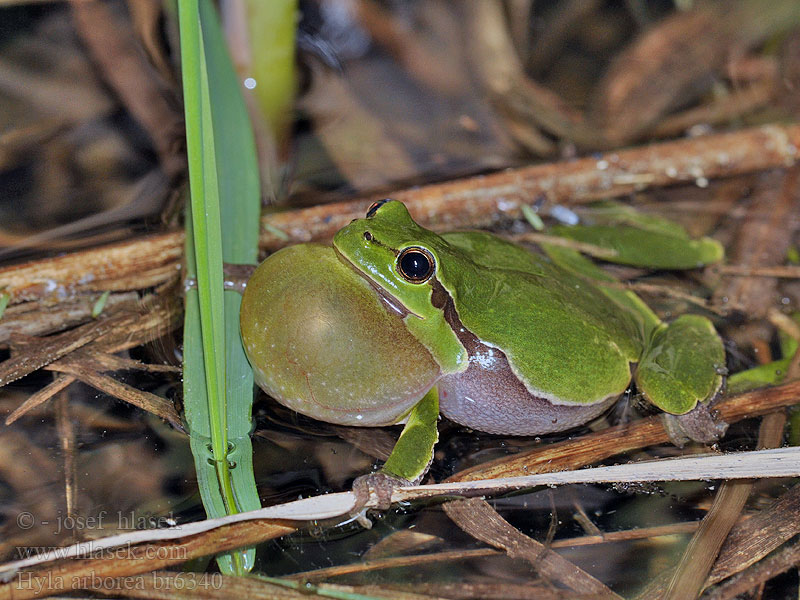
321,342
524,346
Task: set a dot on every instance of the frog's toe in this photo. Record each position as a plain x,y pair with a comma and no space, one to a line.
379,484
699,425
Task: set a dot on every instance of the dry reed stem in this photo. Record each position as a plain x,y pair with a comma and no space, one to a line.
131,265
471,202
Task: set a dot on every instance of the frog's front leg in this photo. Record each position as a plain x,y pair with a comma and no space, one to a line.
410,459
682,371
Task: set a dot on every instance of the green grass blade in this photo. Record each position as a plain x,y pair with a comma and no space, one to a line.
222,225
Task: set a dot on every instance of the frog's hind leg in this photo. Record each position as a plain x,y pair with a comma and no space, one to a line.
682,370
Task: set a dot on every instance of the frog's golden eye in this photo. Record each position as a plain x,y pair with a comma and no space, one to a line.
375,206
416,265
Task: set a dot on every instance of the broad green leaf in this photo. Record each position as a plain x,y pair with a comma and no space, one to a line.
640,239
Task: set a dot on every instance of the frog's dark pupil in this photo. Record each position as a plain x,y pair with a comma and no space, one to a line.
415,265
375,206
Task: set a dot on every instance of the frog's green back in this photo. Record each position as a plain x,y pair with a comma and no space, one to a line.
564,338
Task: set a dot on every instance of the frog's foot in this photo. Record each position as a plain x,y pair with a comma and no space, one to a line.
699,425
382,485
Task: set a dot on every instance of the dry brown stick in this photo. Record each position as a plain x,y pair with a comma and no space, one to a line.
480,520
72,574
480,201
786,559
112,333
470,202
689,577
135,264
627,535
153,316
99,362
591,448
391,562
31,318
43,351
161,407
112,362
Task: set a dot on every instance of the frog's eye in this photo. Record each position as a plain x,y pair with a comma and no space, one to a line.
375,206
416,265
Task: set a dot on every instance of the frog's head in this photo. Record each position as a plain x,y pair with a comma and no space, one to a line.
400,259
394,254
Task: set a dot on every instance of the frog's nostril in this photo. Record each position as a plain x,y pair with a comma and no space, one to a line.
368,236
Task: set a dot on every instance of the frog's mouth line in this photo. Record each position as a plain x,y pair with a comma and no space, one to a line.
388,301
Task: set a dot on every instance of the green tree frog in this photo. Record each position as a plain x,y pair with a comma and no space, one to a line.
396,323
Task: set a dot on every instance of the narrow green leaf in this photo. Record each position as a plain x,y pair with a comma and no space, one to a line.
222,225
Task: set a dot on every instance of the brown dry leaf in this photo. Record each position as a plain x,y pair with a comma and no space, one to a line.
676,59
115,50
514,93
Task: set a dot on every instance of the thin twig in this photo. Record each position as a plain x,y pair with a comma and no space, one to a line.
66,434
481,201
476,517
782,462
471,202
392,562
